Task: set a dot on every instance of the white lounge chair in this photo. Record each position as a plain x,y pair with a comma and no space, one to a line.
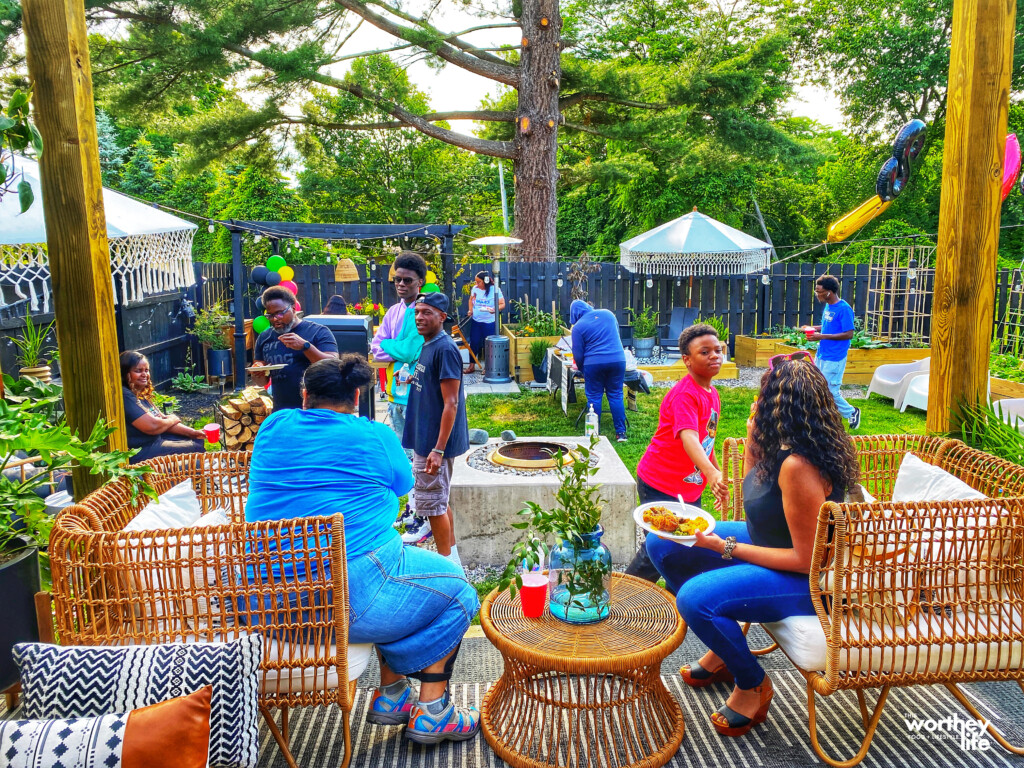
915,392
889,380
1011,411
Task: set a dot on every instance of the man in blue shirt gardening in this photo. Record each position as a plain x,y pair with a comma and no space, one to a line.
833,337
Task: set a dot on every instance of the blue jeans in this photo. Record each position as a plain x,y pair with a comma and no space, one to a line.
833,372
606,379
714,595
414,605
397,414
478,331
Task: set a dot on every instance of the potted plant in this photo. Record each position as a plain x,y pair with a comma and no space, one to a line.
721,330
538,351
208,329
33,352
645,331
32,424
579,565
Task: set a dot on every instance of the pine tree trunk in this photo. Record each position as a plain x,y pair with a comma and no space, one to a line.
537,120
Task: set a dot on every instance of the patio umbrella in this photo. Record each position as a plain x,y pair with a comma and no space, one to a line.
694,244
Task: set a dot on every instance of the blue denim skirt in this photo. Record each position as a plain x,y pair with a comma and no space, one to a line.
414,605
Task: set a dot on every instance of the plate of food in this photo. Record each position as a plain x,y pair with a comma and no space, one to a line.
265,368
672,520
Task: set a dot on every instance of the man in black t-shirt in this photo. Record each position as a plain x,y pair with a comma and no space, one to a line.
435,422
291,342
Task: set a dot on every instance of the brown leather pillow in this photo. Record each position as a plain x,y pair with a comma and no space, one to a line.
172,733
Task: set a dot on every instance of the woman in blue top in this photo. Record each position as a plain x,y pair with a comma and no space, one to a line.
597,351
414,605
482,311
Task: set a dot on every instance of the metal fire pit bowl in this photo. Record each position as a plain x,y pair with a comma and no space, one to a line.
531,454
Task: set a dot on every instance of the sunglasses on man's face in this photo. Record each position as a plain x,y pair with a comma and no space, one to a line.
406,280
780,359
280,313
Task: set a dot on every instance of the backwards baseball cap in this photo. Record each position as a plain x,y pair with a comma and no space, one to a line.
436,300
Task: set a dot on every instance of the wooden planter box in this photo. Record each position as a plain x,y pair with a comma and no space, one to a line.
677,370
754,350
519,351
861,363
1002,388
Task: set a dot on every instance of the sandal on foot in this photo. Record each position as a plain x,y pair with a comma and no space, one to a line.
695,676
729,722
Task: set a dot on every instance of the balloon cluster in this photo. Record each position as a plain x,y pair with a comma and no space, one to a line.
276,272
430,286
895,171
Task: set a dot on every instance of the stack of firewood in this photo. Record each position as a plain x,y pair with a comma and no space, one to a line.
243,416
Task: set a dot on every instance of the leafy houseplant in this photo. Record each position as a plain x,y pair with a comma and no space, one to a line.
34,353
645,330
538,351
580,566
208,326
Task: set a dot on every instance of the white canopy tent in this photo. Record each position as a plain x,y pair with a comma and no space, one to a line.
150,250
694,244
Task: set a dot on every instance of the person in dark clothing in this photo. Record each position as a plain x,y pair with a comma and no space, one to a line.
148,428
436,429
797,456
295,343
335,306
597,351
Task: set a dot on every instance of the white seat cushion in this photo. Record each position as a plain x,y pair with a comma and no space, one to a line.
311,679
803,641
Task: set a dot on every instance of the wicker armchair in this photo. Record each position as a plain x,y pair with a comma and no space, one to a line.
112,587
912,593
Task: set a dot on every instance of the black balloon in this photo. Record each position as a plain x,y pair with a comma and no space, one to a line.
273,278
259,302
259,275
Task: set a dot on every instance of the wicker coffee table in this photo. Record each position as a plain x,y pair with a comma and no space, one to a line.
585,695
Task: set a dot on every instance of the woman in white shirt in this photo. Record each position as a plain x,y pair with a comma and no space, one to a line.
482,300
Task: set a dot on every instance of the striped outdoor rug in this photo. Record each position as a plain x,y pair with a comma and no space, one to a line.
782,741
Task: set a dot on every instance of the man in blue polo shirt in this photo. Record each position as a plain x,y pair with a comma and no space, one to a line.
833,337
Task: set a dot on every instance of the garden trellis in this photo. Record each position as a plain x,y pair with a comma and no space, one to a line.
150,250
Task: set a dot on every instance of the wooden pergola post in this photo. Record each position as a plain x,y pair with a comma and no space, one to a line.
981,55
76,228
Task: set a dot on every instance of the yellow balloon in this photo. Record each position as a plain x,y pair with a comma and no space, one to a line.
286,273
431,277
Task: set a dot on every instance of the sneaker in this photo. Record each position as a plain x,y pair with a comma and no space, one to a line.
855,419
403,521
621,438
385,710
450,724
417,530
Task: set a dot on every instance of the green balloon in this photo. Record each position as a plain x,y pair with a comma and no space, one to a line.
274,263
430,288
260,324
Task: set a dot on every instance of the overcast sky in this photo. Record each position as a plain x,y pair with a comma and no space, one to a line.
454,88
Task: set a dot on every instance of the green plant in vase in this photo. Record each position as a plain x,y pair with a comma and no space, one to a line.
645,322
209,324
579,565
34,352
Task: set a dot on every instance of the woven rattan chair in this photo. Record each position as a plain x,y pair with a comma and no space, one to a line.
112,587
910,593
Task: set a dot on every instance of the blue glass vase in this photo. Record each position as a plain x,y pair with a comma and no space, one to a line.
579,572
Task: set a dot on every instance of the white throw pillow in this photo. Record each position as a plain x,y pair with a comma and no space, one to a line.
177,508
918,480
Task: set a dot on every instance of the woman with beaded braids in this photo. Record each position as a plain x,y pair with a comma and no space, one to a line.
798,456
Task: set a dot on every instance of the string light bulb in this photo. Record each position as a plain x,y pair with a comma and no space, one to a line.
257,238
210,228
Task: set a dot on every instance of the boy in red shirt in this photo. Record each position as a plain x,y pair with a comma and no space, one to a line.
681,457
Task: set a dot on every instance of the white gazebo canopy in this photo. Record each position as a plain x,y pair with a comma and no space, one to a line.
150,250
694,244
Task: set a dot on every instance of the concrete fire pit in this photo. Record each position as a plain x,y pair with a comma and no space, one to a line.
486,497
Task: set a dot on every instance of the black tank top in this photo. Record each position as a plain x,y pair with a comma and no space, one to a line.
762,505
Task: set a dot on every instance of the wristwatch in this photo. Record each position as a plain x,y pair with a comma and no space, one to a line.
438,451
306,346
730,545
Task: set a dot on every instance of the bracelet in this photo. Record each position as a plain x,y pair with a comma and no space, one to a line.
730,545
437,450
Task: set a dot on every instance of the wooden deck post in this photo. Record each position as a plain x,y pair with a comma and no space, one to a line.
76,229
981,55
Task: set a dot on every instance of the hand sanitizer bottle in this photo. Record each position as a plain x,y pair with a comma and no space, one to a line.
591,429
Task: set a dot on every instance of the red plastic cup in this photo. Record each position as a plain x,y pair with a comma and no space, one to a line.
808,331
533,594
212,433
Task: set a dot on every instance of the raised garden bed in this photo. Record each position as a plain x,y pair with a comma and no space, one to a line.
519,351
1004,388
754,351
861,363
677,369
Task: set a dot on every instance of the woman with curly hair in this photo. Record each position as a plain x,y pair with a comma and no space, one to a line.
148,429
797,457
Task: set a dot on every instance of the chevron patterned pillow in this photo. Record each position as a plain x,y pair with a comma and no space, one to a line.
77,681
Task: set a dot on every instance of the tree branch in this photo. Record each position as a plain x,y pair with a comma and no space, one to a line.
588,129
578,98
481,115
454,52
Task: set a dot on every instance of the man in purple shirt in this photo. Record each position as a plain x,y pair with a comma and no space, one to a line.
398,343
